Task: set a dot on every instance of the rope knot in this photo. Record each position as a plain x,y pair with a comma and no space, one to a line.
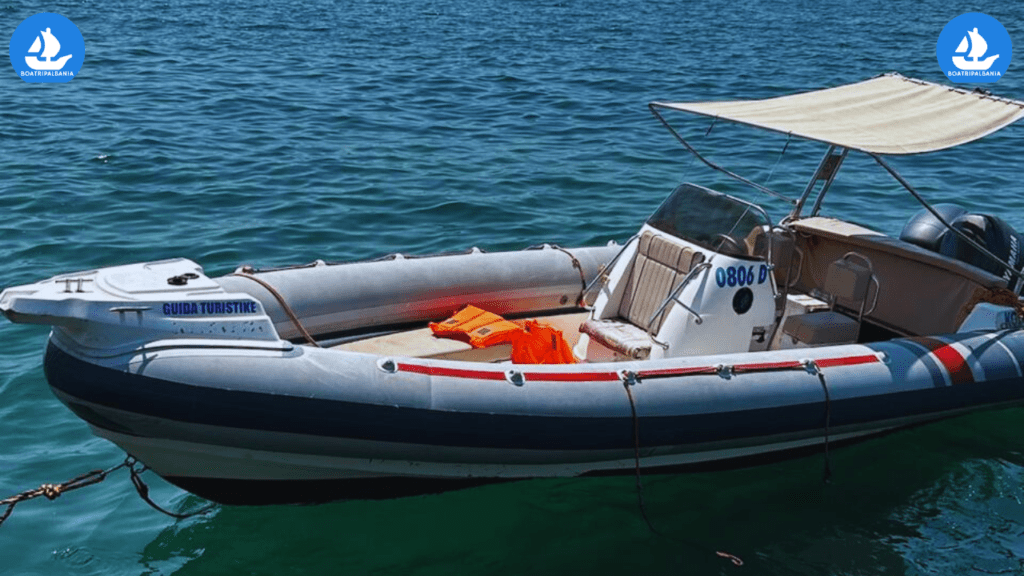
51,491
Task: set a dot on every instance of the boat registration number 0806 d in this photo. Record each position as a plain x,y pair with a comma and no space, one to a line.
741,275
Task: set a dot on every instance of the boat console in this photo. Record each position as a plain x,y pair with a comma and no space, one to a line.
696,280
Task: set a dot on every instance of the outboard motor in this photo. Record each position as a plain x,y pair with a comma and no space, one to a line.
992,232
926,231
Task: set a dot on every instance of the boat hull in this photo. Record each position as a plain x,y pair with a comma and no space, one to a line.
253,426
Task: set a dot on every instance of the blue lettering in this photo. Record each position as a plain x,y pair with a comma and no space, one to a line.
191,308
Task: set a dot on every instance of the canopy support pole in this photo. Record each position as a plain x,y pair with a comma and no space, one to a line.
1009,269
838,162
827,170
653,107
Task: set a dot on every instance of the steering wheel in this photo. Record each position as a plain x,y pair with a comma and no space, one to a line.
731,243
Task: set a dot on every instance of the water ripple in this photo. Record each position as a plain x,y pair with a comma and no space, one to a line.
271,133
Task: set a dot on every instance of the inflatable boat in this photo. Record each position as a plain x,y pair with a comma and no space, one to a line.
714,336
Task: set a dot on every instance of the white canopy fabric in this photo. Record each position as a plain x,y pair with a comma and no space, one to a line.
889,114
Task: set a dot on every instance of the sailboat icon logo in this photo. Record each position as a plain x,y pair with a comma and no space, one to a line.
50,48
978,48
47,47
974,47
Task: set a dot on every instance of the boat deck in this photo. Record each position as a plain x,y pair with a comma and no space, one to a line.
421,342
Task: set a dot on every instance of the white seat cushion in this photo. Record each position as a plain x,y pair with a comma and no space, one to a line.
822,328
621,337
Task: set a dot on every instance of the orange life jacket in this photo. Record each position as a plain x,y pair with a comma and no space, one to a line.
478,327
541,344
538,343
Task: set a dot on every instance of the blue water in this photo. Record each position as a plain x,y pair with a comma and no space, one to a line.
270,133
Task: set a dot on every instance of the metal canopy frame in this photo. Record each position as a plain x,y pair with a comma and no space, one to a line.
826,172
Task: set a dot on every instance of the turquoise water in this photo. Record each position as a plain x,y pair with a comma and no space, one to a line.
270,133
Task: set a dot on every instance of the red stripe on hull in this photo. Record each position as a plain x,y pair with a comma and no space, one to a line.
768,366
452,372
847,361
612,376
951,359
572,376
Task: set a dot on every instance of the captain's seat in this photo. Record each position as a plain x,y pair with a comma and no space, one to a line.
687,285
659,267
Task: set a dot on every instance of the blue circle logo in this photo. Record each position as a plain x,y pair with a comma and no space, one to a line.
47,48
974,47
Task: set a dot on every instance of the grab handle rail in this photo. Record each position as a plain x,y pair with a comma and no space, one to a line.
602,275
871,278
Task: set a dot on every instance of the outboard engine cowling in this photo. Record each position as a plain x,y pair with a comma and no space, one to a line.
992,232
925,230
995,235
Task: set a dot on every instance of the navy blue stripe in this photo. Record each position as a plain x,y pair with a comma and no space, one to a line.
996,361
331,418
925,357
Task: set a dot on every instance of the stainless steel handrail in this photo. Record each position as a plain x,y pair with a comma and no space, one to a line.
674,297
603,274
871,278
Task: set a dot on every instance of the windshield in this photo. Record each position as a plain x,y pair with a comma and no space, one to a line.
713,220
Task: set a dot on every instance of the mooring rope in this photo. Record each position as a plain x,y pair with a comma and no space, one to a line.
629,379
52,491
143,490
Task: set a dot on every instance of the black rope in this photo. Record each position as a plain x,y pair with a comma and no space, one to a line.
629,379
826,476
143,490
52,491
627,382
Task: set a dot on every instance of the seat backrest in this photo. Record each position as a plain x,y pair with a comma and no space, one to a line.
848,281
659,266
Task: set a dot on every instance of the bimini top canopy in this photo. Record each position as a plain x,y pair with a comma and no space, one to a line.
889,114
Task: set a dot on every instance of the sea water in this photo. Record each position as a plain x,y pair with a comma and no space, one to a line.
269,133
